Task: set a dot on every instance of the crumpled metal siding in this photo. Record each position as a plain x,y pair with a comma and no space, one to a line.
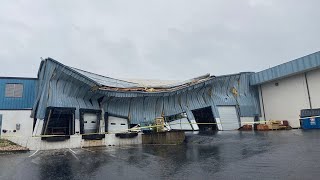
193,99
112,107
159,107
247,99
136,113
43,91
106,81
219,93
61,87
296,66
170,106
150,104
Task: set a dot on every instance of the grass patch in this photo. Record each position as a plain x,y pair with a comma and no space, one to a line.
8,146
5,143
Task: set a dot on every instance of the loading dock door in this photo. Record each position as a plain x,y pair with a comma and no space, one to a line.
90,123
203,116
228,117
117,124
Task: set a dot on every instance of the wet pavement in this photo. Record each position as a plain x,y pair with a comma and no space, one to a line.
290,154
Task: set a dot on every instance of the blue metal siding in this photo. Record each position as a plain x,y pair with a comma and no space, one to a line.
106,81
296,66
28,96
59,86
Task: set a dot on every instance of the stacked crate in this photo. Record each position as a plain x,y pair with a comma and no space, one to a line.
262,127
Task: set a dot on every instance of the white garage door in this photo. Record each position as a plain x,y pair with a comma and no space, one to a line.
228,117
90,123
116,124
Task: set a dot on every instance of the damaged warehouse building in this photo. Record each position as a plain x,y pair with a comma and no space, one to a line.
65,107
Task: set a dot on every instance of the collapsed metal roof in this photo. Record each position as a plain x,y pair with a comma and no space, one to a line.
63,86
163,88
104,83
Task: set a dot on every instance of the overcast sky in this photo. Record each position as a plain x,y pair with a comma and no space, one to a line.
156,39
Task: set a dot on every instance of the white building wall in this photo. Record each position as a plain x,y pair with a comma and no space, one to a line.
112,140
261,118
27,138
10,118
314,87
77,126
284,102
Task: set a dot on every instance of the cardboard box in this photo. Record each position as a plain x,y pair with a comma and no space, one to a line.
262,127
246,127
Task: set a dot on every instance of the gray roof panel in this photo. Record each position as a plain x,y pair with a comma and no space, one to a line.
300,65
106,81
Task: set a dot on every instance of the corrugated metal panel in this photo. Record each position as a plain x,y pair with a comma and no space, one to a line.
106,81
118,106
150,104
137,111
170,106
60,86
247,99
28,93
296,66
159,107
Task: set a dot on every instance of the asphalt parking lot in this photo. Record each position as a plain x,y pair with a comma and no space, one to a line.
223,155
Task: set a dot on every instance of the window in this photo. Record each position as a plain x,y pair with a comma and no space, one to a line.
14,90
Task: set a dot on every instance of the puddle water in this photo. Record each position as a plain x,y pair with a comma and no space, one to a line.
219,155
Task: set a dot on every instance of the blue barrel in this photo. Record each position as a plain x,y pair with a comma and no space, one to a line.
310,123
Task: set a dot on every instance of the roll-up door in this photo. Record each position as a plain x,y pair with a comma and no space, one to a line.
90,123
117,124
228,117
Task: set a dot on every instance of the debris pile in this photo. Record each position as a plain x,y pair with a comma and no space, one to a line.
163,88
269,125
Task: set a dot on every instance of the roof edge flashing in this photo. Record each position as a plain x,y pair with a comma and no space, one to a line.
300,65
283,77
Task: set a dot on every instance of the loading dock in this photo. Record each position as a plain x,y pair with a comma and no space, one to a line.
228,117
58,122
269,95
116,124
205,115
90,124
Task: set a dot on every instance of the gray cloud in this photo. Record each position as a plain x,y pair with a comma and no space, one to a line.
168,39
